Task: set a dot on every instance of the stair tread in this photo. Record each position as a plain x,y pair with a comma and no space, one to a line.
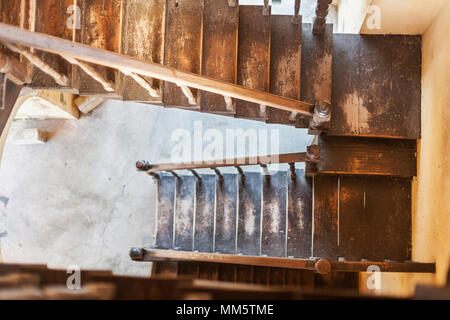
50,17
165,212
204,216
184,213
285,64
226,212
220,44
273,237
143,38
99,29
299,216
254,57
183,45
249,227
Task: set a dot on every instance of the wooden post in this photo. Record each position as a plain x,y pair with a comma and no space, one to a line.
320,19
296,18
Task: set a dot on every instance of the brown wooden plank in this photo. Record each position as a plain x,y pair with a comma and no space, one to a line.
352,155
220,44
184,213
406,77
352,237
226,213
208,271
261,275
317,66
244,274
277,277
274,210
165,269
100,29
51,18
142,37
325,233
285,64
388,218
249,226
165,212
338,280
227,272
299,239
346,99
292,277
183,46
253,57
188,269
204,216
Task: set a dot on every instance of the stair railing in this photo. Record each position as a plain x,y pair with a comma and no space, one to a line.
311,157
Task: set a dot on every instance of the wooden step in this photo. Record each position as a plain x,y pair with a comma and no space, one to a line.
100,28
51,17
220,51
165,212
285,65
362,217
204,215
142,36
184,213
183,49
226,213
253,58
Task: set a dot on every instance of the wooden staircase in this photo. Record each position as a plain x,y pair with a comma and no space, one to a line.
220,39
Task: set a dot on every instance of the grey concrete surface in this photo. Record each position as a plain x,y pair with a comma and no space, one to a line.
78,199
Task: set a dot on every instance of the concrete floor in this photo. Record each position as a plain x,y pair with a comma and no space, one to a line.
78,199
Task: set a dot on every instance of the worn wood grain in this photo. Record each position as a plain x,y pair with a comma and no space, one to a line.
187,269
142,36
316,67
274,210
299,237
354,155
99,29
277,277
184,212
261,275
285,65
220,47
183,46
249,226
165,212
253,58
204,216
227,272
388,218
244,274
208,271
370,79
325,233
50,17
226,213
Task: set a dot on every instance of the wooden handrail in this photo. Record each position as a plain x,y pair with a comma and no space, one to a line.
321,266
248,161
110,59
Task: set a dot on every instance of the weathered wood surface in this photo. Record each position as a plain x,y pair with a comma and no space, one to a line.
244,274
100,29
114,60
376,90
226,213
220,50
274,210
51,17
254,58
183,46
285,65
142,37
208,271
362,217
165,212
299,216
184,212
316,67
204,218
9,92
188,269
353,155
249,225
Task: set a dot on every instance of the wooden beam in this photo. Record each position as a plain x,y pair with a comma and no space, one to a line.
282,158
14,68
118,61
288,263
